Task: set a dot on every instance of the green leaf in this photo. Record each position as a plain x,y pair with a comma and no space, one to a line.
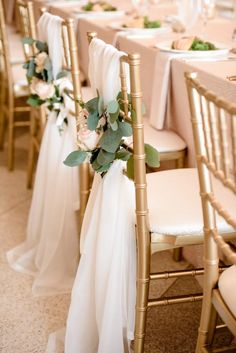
114,126
110,140
26,65
130,168
103,168
96,165
63,73
41,46
31,69
75,158
28,40
152,156
92,121
34,100
113,107
105,157
123,154
125,129
92,105
48,68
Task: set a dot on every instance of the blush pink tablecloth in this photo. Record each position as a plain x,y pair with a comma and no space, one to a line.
213,74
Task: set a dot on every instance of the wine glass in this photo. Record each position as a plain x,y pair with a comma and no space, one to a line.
188,12
141,7
208,10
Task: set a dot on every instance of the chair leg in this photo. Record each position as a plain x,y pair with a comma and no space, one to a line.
2,115
143,280
177,254
11,140
84,174
31,156
2,127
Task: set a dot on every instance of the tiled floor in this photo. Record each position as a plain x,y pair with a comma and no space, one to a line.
26,321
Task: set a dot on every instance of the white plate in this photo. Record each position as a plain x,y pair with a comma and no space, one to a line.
221,51
149,31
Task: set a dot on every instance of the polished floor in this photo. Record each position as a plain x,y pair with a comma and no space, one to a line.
26,321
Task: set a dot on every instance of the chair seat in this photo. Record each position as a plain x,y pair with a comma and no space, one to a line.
227,287
175,207
163,140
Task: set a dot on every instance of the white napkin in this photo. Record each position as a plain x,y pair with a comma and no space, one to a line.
49,29
161,87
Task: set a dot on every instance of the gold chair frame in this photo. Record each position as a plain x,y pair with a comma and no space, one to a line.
9,99
145,245
214,128
37,115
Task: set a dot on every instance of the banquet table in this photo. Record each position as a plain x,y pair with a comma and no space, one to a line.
212,72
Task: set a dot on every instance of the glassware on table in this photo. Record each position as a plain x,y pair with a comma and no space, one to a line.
188,12
208,10
141,7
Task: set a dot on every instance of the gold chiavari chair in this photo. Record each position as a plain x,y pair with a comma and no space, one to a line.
214,129
72,65
37,115
13,91
168,209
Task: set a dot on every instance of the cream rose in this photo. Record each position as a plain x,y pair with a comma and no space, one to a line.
87,139
42,89
40,61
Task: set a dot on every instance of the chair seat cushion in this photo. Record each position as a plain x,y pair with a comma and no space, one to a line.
227,288
163,140
175,205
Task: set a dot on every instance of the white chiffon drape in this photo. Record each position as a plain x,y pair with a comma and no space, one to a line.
50,251
101,314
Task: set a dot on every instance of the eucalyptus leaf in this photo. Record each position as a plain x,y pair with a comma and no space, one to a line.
28,40
130,168
96,165
123,154
152,156
41,46
92,105
105,157
63,73
103,168
92,121
125,129
113,107
110,140
34,100
114,126
31,69
113,116
75,158
26,65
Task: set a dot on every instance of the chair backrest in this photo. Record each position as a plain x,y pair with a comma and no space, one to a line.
27,24
136,120
5,65
214,128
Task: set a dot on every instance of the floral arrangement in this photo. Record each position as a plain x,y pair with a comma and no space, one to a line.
102,137
44,89
98,6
